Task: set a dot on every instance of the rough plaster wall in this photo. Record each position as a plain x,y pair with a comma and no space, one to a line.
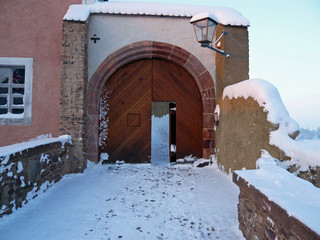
235,68
33,29
117,31
242,133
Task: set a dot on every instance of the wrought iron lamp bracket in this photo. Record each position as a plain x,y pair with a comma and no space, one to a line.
213,46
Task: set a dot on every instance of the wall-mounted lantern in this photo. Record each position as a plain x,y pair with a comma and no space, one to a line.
204,25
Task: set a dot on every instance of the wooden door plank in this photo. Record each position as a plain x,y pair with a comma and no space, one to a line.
173,83
132,89
130,92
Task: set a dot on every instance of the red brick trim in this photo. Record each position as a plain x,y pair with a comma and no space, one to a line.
149,49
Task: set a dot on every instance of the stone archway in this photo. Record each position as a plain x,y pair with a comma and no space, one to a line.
151,49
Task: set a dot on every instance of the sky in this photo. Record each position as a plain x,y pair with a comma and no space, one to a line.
284,50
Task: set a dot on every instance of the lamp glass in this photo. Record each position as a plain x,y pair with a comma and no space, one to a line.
204,30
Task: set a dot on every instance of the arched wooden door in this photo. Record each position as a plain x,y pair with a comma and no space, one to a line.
126,106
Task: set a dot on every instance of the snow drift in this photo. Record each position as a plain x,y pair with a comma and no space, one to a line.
303,155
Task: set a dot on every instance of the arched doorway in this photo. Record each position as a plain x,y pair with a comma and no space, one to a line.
128,105
150,50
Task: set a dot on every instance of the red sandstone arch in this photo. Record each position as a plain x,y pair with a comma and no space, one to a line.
150,49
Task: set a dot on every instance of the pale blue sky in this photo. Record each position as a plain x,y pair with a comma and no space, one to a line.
284,40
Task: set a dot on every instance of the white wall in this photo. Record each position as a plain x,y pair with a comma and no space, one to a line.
117,31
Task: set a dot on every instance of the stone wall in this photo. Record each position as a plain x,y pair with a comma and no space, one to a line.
260,218
73,101
242,132
312,175
23,174
80,104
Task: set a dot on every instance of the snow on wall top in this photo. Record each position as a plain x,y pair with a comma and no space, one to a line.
297,196
267,96
303,154
38,141
225,15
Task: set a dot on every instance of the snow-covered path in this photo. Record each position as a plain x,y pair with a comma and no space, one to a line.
131,202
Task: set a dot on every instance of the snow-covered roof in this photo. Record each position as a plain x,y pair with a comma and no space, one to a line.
225,15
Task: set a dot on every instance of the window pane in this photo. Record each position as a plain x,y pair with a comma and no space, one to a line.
3,111
4,75
18,91
15,90
17,101
18,75
3,100
3,90
17,111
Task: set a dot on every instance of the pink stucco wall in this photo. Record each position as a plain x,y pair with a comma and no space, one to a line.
33,28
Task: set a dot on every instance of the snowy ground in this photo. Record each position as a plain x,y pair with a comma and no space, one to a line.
131,202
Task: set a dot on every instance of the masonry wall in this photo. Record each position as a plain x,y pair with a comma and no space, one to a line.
101,58
260,218
242,132
311,175
73,101
111,39
33,29
30,171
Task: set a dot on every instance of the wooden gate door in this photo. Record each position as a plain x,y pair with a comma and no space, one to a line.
172,83
127,111
126,106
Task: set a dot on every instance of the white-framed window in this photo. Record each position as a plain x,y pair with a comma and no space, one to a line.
16,91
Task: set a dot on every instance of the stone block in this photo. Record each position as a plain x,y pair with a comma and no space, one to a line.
260,218
14,188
